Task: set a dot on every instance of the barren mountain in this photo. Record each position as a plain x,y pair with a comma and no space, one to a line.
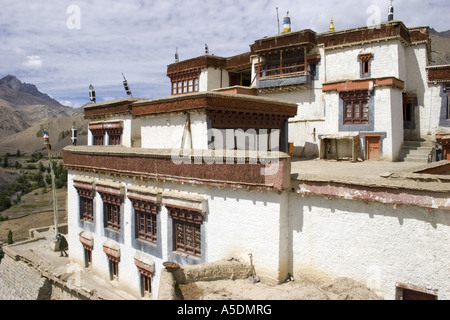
22,104
59,130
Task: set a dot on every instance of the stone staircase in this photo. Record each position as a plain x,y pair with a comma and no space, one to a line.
417,151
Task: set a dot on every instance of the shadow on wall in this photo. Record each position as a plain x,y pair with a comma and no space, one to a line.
445,104
309,150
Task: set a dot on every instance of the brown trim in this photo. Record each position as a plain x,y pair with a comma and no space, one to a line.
144,268
205,61
283,41
209,101
364,84
389,30
112,254
164,168
439,73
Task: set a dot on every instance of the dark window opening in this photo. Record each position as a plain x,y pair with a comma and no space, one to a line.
409,293
113,267
98,140
448,106
86,208
146,284
112,216
365,67
114,140
87,257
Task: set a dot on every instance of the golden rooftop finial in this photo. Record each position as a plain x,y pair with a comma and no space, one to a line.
331,25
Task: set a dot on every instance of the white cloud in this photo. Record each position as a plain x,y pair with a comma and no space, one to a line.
33,62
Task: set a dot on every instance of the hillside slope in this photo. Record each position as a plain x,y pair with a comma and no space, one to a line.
59,130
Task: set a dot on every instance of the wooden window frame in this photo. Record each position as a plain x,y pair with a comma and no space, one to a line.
113,267
187,221
146,213
447,116
358,102
112,215
294,64
146,282
87,257
86,201
112,207
87,208
365,63
185,85
115,140
99,140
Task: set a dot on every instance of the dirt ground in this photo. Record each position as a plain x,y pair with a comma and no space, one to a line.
244,289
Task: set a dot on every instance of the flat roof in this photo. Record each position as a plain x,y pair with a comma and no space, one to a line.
384,174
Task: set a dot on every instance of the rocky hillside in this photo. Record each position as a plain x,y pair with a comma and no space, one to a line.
25,111
440,47
22,105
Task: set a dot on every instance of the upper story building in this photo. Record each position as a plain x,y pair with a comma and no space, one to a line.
370,82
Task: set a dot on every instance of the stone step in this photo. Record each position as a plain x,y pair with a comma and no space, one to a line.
421,160
416,151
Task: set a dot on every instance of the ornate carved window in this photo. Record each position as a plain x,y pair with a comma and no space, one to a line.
146,214
86,195
356,106
186,230
111,207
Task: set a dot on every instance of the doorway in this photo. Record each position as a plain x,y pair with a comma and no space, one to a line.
373,148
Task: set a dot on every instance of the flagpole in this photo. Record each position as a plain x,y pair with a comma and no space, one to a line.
55,200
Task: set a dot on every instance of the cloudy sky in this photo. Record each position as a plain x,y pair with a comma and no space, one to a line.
63,46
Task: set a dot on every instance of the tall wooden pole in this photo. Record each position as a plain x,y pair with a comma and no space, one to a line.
52,172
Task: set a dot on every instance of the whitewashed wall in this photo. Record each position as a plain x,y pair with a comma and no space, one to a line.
344,63
211,78
237,222
166,131
372,243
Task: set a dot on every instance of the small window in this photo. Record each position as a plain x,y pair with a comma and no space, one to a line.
146,225
365,63
86,208
112,215
114,140
113,268
87,257
365,67
146,284
98,140
448,105
185,86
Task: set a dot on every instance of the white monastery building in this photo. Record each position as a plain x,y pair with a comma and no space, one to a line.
210,172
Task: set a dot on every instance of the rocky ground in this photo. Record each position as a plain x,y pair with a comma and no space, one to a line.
244,289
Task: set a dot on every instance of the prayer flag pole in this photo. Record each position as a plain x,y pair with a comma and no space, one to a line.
55,200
